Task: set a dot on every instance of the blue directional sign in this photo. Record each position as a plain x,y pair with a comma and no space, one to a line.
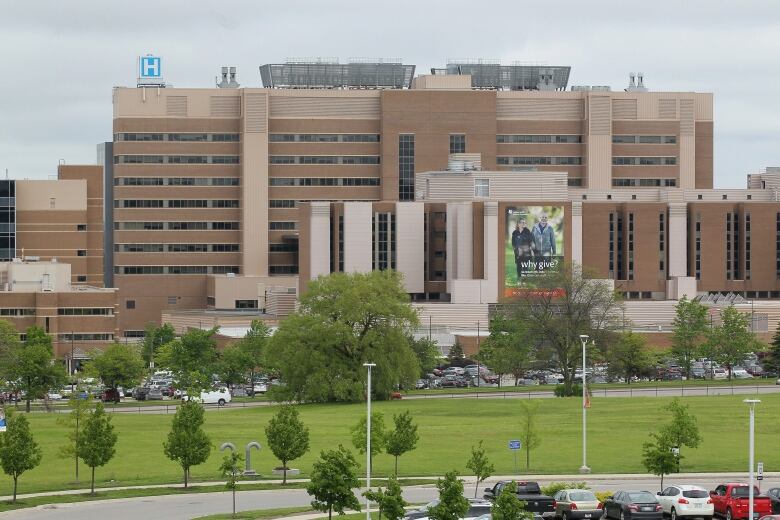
515,445
150,67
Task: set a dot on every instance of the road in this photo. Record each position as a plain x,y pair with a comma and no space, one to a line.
185,507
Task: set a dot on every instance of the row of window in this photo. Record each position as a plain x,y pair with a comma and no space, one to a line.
505,161
17,312
644,139
177,181
177,137
631,183
176,248
323,181
284,247
323,159
176,226
323,138
176,269
538,139
283,269
86,336
281,203
176,203
644,161
176,159
85,311
281,226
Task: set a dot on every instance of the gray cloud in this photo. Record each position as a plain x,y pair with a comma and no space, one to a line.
59,60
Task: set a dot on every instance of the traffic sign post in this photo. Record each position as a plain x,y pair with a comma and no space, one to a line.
515,447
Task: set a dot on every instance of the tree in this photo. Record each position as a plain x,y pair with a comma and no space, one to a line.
343,321
332,481
658,457
508,348
18,450
456,356
427,353
529,435
187,443
229,470
508,506
683,430
730,342
118,365
9,343
32,366
480,465
378,435
154,338
191,358
403,438
233,366
452,504
688,330
287,437
562,305
73,421
389,501
772,359
629,356
97,442
253,345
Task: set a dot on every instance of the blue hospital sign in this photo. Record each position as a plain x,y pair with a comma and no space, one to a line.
149,67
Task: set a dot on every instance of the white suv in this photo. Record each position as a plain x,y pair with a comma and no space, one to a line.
685,500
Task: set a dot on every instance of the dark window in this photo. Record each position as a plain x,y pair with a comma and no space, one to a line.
81,278
129,304
457,143
246,304
81,252
81,227
406,167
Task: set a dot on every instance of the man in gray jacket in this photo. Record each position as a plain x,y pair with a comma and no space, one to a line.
544,242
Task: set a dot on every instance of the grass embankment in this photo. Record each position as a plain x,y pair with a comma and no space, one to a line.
447,428
263,514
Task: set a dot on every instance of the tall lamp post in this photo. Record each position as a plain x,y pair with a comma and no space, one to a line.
584,468
369,366
752,403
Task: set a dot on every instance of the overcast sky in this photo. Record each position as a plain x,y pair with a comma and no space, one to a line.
59,59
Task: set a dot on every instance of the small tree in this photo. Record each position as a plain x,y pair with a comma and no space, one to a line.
456,355
452,504
32,367
403,438
730,342
480,465
118,365
18,450
229,470
253,346
772,359
629,356
508,506
529,435
187,443
688,329
332,481
154,338
378,435
233,366
389,501
79,411
683,430
97,443
287,437
658,457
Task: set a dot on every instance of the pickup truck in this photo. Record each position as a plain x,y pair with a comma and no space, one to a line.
530,493
731,501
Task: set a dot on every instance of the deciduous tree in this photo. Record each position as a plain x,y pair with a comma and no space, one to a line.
118,365
233,366
378,435
389,501
18,450
97,442
74,422
480,465
508,349
688,331
452,504
333,481
427,353
32,367
730,342
154,338
772,360
529,435
628,356
403,438
683,430
287,436
658,457
229,469
187,443
253,345
191,358
343,321
508,506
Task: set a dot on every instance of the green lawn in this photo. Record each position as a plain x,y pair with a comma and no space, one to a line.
447,428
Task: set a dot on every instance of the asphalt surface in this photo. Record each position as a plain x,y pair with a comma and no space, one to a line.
185,507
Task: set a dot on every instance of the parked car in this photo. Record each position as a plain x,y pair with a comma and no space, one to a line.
478,508
128,392
139,393
110,395
628,505
740,373
260,387
155,394
684,500
719,373
731,500
530,493
574,504
774,497
770,517
421,384
53,396
220,397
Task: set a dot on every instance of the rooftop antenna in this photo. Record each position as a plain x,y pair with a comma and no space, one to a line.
224,82
233,83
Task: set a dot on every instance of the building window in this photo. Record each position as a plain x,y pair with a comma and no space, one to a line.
406,167
630,246
246,304
283,247
81,252
537,139
341,243
457,143
323,159
777,246
644,139
81,227
134,333
384,241
86,311
643,183
324,181
661,241
323,138
612,245
539,161
279,203
619,234
81,278
747,246
697,247
482,188
275,226
86,336
283,269
172,300
575,182
644,161
129,304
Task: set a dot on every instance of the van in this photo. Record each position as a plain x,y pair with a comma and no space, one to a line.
719,373
220,397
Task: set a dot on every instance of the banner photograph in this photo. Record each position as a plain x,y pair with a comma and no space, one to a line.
534,243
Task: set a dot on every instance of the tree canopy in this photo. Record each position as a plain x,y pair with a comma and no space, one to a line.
332,482
18,450
629,357
403,438
730,342
154,338
118,365
32,367
508,349
192,358
688,332
287,436
343,321
187,443
97,442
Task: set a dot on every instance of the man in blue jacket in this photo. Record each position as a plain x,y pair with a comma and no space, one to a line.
544,242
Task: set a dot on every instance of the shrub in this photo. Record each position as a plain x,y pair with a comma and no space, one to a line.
560,390
603,495
554,487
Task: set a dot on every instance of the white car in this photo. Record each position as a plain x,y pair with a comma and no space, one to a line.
740,373
53,396
220,397
686,500
260,388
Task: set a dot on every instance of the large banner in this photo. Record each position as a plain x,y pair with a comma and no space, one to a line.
533,244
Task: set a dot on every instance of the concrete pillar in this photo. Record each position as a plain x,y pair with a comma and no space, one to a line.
319,239
358,237
576,233
492,282
410,244
678,239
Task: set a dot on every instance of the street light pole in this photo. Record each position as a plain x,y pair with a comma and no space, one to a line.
369,366
584,469
752,403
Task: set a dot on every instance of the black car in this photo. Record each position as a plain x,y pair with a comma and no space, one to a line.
774,496
140,392
628,505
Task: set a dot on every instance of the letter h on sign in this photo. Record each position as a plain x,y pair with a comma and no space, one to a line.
150,67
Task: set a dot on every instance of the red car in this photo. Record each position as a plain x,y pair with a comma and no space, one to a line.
732,501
